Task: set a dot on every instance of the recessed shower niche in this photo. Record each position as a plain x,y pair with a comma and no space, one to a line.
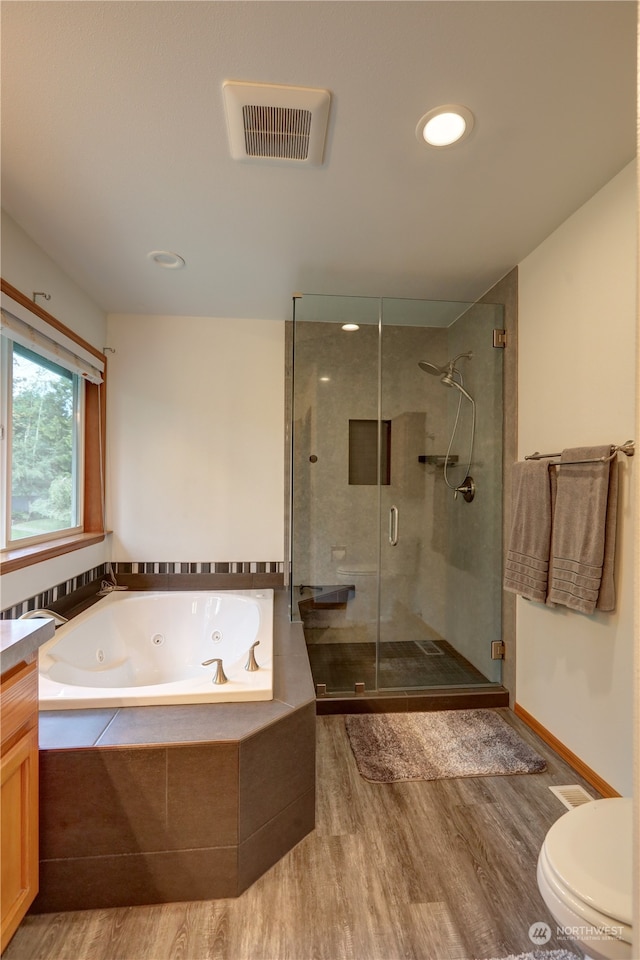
369,451
395,571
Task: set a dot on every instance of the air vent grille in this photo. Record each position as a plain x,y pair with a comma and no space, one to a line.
572,795
276,132
272,123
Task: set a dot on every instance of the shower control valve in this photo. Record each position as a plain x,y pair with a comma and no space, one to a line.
467,488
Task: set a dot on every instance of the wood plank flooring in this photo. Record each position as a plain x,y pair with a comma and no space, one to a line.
440,870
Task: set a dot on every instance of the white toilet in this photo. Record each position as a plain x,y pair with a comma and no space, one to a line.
584,876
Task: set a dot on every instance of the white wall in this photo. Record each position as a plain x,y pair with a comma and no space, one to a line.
577,329
195,439
29,581
28,268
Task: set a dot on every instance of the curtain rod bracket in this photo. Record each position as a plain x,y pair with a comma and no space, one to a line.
40,293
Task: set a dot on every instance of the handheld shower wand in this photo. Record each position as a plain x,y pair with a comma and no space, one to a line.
448,369
450,376
450,382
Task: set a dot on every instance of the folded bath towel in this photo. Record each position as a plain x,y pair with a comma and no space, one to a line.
584,531
527,563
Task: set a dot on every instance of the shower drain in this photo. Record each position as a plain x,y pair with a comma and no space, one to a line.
430,648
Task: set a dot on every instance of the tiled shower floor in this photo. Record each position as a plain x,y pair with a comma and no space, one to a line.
404,664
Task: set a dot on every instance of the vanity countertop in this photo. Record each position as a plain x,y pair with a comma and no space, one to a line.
21,639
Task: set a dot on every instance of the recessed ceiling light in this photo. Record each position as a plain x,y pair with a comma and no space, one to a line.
170,261
350,326
445,125
325,379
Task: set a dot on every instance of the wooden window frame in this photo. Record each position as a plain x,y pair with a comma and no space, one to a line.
94,458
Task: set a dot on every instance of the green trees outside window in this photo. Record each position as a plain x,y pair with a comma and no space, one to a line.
44,446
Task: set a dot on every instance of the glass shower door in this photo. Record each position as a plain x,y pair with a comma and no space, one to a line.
441,549
335,490
397,579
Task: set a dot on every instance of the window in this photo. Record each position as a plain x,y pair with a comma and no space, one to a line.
44,407
52,407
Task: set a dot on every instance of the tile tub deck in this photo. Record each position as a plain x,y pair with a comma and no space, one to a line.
172,803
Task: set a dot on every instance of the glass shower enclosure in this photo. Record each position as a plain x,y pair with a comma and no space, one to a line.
395,521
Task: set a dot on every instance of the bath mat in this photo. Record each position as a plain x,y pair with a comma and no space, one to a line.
442,744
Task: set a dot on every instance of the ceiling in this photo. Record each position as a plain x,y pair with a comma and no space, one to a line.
114,143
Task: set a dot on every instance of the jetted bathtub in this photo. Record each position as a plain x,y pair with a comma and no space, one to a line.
143,648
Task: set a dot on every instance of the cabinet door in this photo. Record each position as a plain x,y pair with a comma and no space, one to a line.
19,831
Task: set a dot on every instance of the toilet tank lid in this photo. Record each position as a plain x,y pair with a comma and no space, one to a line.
589,848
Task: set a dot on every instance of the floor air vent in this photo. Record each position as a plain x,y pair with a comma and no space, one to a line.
572,795
269,122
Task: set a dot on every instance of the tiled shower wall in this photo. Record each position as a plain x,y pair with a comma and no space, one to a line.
83,580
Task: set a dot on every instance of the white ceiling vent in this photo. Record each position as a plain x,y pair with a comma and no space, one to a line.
268,122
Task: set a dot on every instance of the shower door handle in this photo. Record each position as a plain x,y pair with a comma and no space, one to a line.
393,526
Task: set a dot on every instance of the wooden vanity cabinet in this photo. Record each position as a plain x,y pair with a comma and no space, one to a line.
19,795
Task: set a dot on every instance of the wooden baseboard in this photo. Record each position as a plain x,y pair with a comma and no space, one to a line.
567,755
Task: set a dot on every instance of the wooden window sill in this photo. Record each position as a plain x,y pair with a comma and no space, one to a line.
19,557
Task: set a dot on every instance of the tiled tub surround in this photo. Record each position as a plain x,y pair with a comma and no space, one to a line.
60,597
170,803
70,595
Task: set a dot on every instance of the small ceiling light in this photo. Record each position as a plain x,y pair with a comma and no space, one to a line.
170,261
350,326
325,379
445,125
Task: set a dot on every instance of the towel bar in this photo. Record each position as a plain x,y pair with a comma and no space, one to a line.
628,448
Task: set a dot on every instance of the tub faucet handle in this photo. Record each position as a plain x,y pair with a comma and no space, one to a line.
252,663
219,675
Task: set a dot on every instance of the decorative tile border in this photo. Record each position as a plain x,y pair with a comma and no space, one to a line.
45,599
50,596
170,567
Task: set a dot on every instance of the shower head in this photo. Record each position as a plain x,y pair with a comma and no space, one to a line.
446,371
449,374
431,368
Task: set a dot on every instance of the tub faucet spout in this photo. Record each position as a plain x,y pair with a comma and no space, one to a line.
108,587
219,676
38,614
